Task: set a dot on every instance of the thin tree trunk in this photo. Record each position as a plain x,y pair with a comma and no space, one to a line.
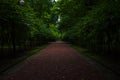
1,41
13,40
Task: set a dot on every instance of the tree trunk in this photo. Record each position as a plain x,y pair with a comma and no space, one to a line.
13,38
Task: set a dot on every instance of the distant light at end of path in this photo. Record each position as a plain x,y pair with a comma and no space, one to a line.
56,0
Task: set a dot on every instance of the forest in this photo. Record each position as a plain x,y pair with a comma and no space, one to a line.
24,25
93,24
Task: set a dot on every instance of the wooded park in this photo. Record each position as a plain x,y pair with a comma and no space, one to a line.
90,24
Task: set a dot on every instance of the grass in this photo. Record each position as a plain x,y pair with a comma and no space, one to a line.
106,61
8,63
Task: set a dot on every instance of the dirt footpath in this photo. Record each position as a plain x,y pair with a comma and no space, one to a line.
57,62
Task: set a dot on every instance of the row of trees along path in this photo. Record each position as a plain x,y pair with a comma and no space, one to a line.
57,62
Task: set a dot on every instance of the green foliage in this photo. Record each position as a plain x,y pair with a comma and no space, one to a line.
90,23
25,25
93,24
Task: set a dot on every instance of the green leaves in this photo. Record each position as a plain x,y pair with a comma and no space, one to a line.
25,24
91,23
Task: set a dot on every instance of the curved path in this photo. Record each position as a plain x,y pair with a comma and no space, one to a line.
57,62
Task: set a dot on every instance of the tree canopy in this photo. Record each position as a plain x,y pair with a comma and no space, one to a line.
27,24
91,23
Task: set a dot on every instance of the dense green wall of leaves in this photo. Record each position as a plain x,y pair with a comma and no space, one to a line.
25,25
94,24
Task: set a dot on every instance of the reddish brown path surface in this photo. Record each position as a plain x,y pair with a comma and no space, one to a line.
57,62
